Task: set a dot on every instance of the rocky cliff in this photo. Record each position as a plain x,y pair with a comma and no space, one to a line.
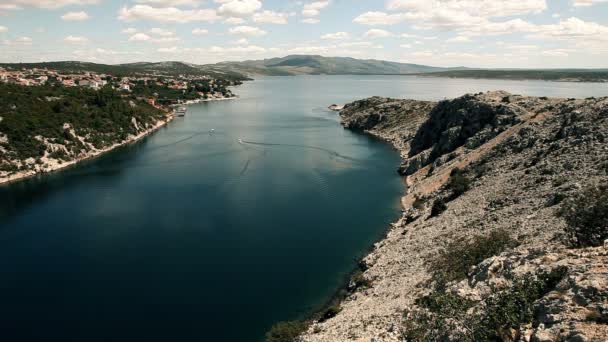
503,226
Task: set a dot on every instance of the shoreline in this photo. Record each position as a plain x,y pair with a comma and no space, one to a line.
22,175
189,102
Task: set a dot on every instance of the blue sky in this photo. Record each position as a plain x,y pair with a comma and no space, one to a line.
473,33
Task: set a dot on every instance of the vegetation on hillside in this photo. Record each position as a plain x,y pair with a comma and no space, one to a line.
32,114
586,215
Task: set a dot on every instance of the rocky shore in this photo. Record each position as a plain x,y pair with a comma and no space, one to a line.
493,221
48,163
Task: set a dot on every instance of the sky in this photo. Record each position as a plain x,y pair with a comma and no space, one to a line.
471,33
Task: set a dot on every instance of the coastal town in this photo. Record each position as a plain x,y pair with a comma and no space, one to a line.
156,88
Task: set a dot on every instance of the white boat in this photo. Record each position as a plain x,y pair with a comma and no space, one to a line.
241,141
181,111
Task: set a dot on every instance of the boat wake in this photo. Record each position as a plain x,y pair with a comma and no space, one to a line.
317,148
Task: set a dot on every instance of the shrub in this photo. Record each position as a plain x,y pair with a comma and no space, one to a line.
419,203
556,199
286,331
458,183
586,216
443,316
455,261
329,313
438,207
358,281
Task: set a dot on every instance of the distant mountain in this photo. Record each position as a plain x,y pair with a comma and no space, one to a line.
572,75
319,65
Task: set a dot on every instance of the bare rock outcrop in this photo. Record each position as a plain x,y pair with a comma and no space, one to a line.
483,163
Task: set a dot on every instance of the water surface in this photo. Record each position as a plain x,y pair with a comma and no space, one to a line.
195,235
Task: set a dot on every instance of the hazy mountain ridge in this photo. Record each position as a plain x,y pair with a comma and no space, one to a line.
318,65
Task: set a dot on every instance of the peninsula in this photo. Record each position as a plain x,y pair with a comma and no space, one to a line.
53,118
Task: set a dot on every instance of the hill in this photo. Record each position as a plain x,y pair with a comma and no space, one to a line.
131,69
503,231
319,65
572,75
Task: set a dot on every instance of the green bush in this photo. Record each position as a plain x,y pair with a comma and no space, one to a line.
586,215
456,260
443,316
438,207
288,331
458,183
329,313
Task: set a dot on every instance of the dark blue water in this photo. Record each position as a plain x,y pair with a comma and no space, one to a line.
191,235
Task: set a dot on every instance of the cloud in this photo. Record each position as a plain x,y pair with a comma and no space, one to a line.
270,17
377,33
200,32
311,21
336,36
139,37
46,4
76,40
19,41
459,39
3,29
481,8
586,3
129,30
156,35
161,32
241,41
249,31
239,8
234,21
167,15
378,18
170,3
75,16
313,9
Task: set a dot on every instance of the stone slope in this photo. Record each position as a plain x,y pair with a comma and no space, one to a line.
522,155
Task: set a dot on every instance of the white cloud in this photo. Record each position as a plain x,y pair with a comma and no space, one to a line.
139,37
156,35
378,18
75,16
459,39
377,33
239,8
167,15
200,32
76,40
313,9
19,41
3,29
249,31
129,30
573,29
311,21
336,36
234,21
47,4
270,17
556,53
586,3
172,49
241,41
161,32
482,8
170,3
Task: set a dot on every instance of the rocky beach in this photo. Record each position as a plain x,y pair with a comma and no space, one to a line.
496,183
